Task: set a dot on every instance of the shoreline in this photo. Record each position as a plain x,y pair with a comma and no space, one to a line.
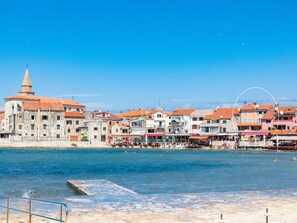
244,207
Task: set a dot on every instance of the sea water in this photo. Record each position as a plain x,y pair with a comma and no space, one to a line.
44,172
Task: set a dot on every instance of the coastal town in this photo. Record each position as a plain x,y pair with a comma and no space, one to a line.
33,120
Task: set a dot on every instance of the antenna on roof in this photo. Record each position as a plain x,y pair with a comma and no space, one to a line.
27,66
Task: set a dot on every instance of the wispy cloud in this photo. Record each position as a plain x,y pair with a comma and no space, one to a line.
97,105
80,95
178,100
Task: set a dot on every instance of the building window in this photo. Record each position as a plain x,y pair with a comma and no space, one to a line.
69,122
159,115
20,127
32,127
58,127
201,119
95,129
117,130
77,122
44,135
95,137
32,117
258,120
194,126
44,117
104,128
125,131
110,123
194,119
59,118
32,134
78,110
44,126
77,130
69,130
58,136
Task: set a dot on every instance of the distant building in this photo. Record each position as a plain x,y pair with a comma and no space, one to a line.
280,118
223,120
181,121
41,118
251,116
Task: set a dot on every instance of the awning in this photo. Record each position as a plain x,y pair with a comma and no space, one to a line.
178,134
201,138
255,133
227,134
154,134
284,138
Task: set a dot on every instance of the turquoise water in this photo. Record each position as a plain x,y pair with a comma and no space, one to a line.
44,172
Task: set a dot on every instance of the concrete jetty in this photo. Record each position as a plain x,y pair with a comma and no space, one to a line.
98,188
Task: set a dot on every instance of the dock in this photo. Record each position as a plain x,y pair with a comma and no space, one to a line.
99,188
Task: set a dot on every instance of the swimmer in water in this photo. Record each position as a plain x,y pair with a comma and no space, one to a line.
294,158
275,160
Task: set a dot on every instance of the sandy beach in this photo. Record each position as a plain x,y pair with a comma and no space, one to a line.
247,207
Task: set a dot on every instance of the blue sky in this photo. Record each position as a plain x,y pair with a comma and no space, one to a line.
117,55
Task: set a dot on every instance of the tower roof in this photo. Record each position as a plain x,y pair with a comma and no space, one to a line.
27,85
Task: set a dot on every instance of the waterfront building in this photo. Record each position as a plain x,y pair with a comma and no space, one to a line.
223,120
198,117
31,117
251,116
2,117
181,121
280,118
108,132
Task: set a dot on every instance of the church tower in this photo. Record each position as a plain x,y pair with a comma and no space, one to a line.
26,85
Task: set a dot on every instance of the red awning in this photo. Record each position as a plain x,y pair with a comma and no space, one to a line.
255,133
202,138
154,134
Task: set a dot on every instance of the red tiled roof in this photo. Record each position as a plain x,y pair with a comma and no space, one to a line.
287,110
293,131
45,99
252,107
106,115
152,112
74,115
183,111
2,115
222,113
134,113
44,106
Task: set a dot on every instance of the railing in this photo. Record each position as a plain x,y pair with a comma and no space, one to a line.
63,210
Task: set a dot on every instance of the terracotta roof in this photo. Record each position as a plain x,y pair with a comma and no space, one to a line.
2,115
287,110
222,113
74,115
152,112
183,111
284,132
44,106
45,99
106,115
134,113
252,107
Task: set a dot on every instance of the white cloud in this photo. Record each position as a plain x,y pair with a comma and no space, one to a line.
80,95
97,105
178,100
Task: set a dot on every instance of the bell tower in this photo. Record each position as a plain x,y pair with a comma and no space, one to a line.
26,85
